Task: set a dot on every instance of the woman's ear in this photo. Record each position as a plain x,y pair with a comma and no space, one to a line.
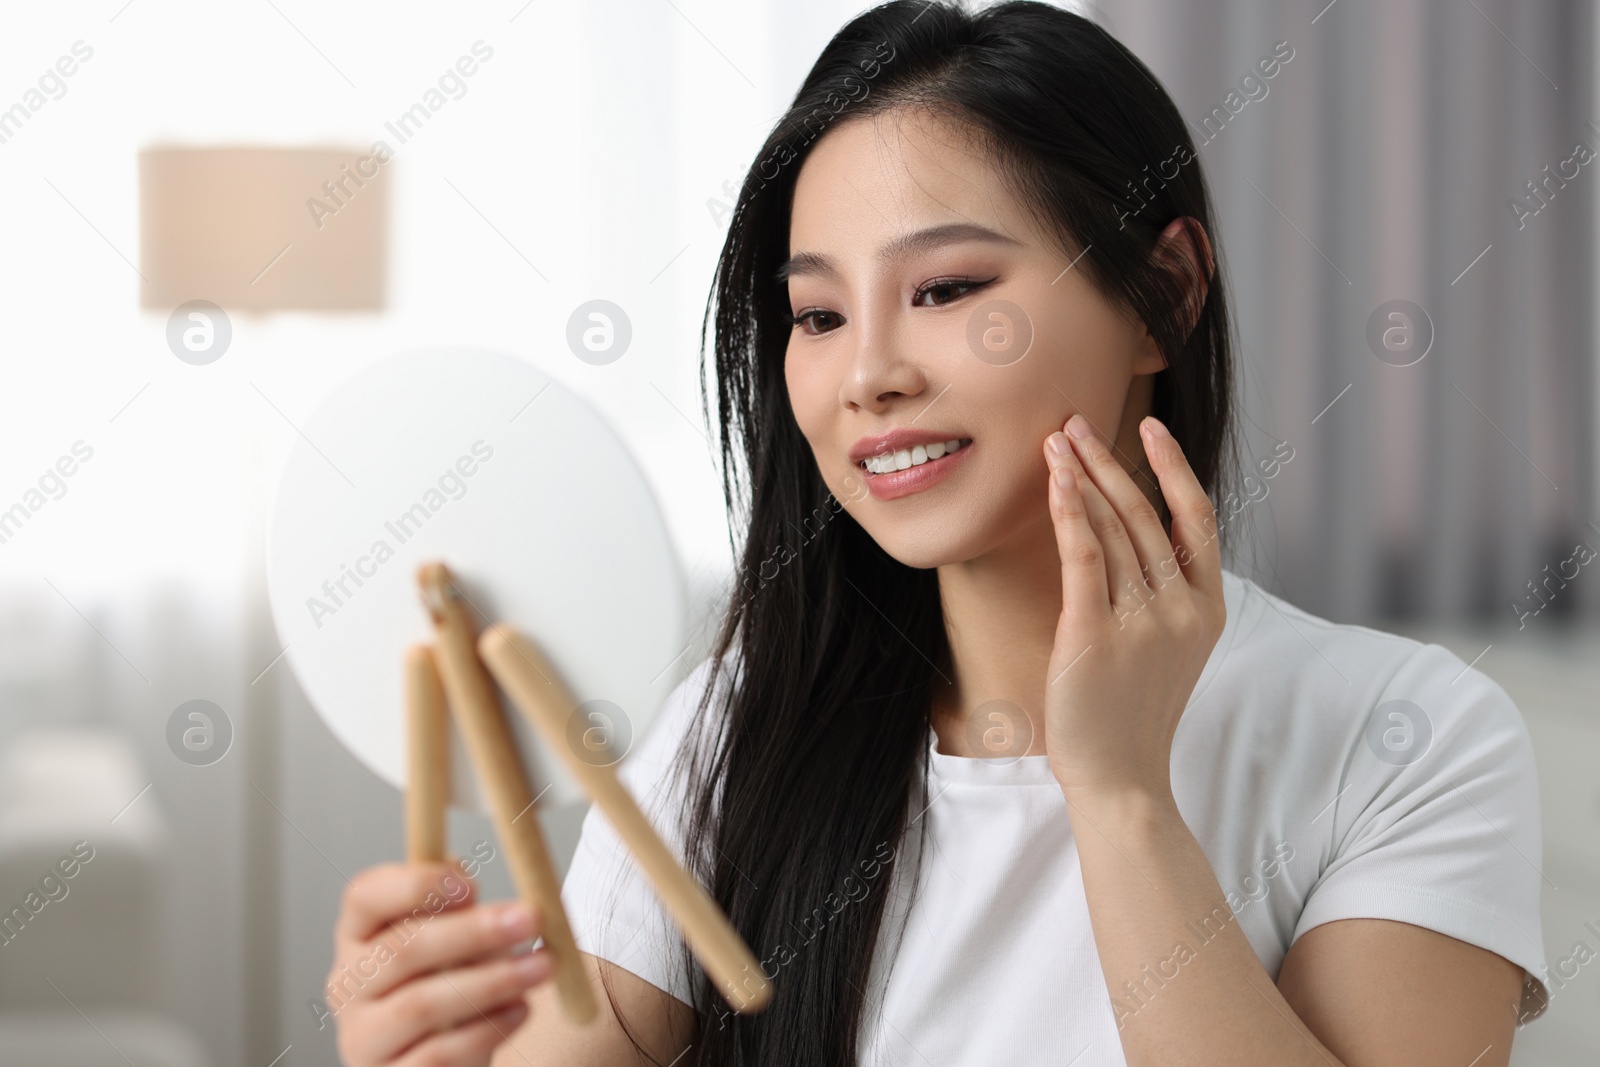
1182,247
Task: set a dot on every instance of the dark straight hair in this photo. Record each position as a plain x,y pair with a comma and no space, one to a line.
818,749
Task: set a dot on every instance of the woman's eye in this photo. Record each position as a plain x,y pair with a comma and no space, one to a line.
818,320
944,291
830,321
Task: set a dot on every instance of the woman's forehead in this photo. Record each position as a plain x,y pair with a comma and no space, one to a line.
898,171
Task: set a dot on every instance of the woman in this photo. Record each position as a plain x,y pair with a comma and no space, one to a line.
993,762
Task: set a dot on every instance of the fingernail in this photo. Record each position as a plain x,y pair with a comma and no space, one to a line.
1155,427
1078,426
1058,443
533,967
517,921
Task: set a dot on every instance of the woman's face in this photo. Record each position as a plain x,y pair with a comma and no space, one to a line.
934,309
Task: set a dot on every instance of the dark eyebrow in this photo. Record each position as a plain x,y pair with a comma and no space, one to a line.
908,244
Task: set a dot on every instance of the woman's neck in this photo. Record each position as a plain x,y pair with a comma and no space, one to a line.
1000,613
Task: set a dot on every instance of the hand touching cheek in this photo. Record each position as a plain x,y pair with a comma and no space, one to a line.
1140,612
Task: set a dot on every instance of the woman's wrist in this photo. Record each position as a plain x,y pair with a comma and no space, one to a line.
1134,807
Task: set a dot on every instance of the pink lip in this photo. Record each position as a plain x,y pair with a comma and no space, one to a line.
896,484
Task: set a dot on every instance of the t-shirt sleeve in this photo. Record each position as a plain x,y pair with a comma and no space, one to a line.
1437,821
614,911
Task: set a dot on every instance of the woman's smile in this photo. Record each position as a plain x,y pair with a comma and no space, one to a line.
894,473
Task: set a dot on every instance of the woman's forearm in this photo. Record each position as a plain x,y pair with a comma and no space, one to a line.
1185,985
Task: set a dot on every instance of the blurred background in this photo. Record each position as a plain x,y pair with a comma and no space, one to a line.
1407,221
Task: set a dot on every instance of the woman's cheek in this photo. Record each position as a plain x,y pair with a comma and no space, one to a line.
803,401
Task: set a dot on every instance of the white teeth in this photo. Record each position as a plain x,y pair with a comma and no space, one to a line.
911,457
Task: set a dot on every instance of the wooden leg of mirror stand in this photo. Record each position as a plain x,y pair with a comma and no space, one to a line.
535,688
428,754
476,708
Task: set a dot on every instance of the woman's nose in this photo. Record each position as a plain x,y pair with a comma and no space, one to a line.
879,368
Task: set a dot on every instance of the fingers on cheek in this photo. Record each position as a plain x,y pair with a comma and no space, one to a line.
1087,463
1077,497
1067,458
1088,488
1075,462
1071,504
1066,498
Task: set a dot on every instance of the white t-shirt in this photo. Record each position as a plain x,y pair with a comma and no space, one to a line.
1328,771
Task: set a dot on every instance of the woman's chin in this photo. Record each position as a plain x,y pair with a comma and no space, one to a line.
920,550
1014,524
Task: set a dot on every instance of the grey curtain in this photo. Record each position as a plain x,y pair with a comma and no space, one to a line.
1432,152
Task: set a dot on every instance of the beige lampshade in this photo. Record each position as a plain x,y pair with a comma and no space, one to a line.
264,229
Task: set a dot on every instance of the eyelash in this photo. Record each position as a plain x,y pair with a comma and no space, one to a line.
969,284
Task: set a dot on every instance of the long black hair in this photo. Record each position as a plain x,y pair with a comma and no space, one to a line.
818,751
